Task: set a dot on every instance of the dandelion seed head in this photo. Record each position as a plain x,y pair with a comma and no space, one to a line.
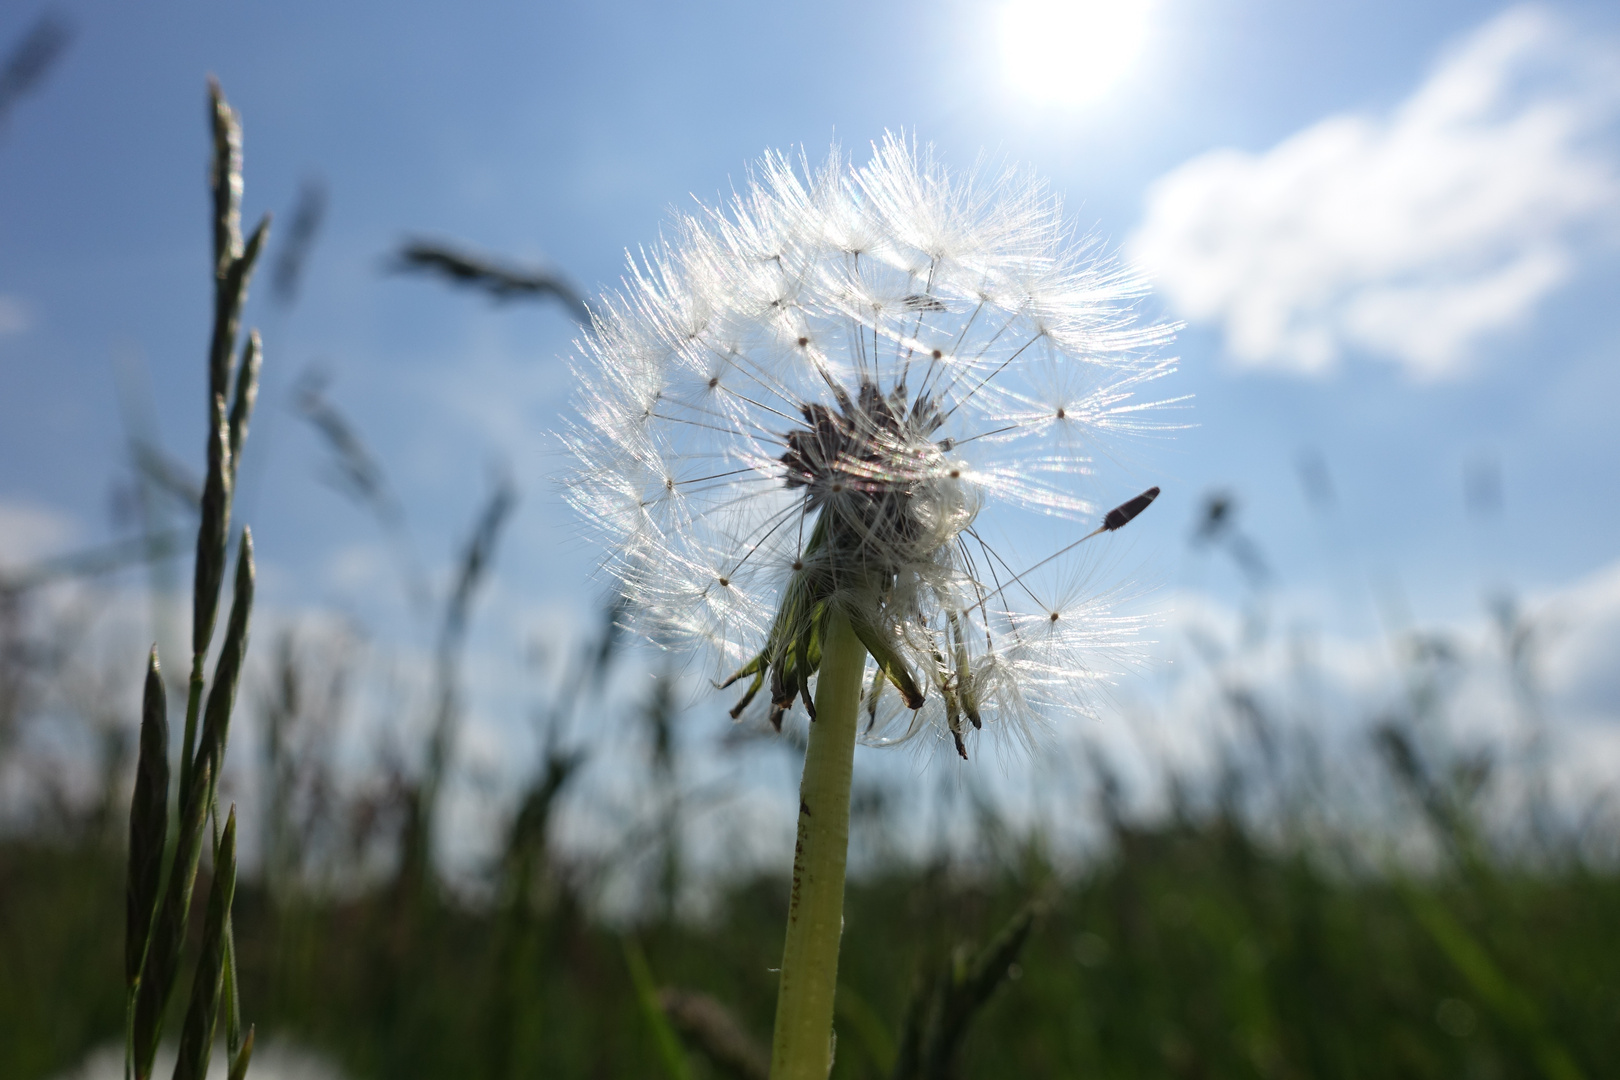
817,396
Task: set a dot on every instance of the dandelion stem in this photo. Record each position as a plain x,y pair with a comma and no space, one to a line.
802,1047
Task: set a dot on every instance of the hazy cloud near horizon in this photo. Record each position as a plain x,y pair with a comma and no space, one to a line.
29,532
1412,235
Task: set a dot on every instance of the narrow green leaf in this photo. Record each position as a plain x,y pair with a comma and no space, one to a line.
664,1038
148,821
202,1014
212,529
228,669
239,1061
867,1026
233,991
246,394
956,997
169,929
1493,986
709,1027
230,294
188,741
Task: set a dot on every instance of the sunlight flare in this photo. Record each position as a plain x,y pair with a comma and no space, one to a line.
1070,52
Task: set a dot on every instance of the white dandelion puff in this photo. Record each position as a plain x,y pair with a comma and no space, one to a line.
816,398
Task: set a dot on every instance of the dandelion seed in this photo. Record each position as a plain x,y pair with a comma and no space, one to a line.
816,398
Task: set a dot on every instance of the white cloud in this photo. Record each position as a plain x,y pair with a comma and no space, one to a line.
355,569
29,532
1583,661
1414,235
1333,687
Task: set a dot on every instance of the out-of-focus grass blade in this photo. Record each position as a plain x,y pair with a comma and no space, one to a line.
239,1062
664,1037
1471,959
308,212
32,59
710,1026
233,995
867,1026
503,282
943,1007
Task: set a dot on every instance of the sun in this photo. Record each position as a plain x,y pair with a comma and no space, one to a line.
1070,52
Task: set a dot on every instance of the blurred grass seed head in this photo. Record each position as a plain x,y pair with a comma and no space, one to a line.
850,389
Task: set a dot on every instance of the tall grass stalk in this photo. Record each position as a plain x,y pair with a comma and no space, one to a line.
156,930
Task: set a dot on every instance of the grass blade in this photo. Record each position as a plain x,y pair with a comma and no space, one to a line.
1493,986
169,930
228,669
711,1027
664,1038
212,530
239,1061
246,394
148,821
202,1015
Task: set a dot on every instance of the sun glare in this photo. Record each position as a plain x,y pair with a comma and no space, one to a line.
1070,52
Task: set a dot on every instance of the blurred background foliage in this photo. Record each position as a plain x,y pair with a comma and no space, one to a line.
1257,923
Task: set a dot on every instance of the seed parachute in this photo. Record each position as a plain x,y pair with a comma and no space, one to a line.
856,389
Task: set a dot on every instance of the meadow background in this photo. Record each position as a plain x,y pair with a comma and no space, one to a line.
1349,814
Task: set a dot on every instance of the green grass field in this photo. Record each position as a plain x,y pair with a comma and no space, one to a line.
1189,950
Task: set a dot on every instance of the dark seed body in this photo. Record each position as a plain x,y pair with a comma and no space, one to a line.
1121,515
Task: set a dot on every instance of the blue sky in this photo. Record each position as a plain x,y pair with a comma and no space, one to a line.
1439,277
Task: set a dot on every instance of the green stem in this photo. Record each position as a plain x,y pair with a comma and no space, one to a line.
129,1030
802,1047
